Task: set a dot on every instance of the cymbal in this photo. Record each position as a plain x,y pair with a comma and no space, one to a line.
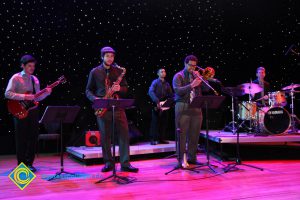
250,88
289,91
290,87
233,91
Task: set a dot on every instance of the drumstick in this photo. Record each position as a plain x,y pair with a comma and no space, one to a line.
261,98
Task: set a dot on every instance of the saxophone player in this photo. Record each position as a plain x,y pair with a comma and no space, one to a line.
100,79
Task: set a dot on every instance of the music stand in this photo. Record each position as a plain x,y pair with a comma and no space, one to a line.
61,115
114,103
206,102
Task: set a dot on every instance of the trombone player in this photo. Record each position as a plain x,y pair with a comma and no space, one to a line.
186,86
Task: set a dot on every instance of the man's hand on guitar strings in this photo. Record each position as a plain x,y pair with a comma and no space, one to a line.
48,90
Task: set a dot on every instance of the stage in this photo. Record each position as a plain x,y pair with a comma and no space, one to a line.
279,180
84,153
222,138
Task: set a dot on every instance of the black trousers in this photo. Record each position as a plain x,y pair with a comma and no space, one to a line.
189,120
121,132
159,125
26,131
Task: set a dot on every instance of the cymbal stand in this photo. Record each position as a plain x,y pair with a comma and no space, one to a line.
293,124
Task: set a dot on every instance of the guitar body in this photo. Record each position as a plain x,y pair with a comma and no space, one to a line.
163,108
20,109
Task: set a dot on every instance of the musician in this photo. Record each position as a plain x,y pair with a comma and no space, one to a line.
23,86
100,78
261,74
160,90
189,120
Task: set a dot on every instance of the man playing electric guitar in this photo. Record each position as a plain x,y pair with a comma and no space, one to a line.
159,91
23,86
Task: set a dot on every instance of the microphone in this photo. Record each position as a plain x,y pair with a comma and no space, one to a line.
290,48
115,64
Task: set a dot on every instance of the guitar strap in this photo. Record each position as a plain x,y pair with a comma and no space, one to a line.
32,80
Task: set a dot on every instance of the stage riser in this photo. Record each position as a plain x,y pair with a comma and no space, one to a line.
230,138
86,153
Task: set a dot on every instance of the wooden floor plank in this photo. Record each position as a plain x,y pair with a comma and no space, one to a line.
279,180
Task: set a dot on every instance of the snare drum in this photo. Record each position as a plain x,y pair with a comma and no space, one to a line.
275,120
247,110
277,99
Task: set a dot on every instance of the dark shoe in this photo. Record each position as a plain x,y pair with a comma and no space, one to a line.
107,168
163,142
32,168
130,169
195,162
154,142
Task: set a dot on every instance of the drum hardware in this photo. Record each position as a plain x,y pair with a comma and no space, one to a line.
233,92
250,89
297,120
277,98
245,113
291,89
247,108
262,98
258,128
238,161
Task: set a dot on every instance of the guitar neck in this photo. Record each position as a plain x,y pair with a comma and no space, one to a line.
44,90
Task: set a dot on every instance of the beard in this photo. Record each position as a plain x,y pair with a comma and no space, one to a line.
107,64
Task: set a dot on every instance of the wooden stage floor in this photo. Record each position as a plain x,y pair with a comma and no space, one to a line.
279,180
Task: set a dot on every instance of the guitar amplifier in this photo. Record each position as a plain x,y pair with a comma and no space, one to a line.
92,138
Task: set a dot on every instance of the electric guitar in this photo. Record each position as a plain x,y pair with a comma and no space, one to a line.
169,101
163,108
21,108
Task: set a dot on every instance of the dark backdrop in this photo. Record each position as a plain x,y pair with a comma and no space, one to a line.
233,36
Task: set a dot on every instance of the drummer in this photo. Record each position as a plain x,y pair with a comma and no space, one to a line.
261,74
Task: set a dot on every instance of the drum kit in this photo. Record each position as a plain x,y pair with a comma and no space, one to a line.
270,119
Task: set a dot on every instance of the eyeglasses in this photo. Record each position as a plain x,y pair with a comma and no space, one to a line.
191,65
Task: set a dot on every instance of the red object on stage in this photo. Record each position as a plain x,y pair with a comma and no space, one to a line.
92,138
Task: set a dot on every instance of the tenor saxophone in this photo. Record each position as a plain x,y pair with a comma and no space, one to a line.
110,94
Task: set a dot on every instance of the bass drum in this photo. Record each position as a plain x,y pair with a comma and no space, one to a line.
275,120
